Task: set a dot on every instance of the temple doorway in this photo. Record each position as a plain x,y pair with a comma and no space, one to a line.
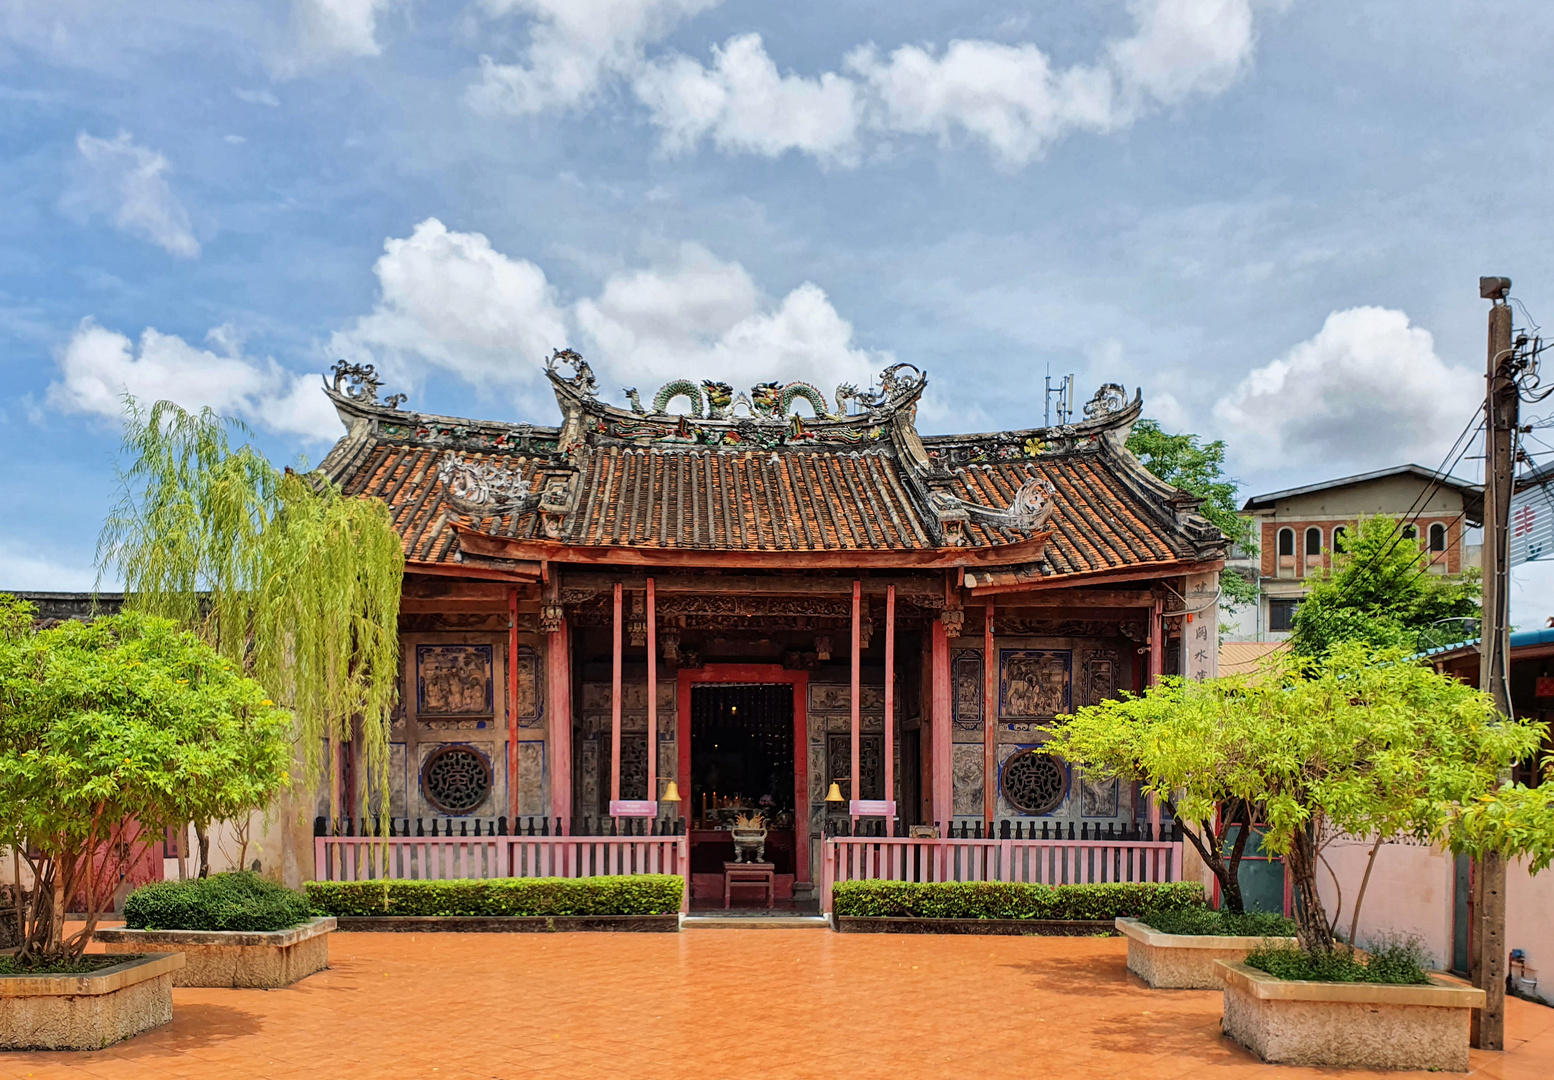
742,764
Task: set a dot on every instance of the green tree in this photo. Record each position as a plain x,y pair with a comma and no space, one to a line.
1199,470
278,570
1381,592
1362,743
1181,743
109,731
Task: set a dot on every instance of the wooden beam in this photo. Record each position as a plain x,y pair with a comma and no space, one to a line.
1126,573
454,589
521,572
989,719
941,775
857,659
890,705
652,691
1081,597
926,586
615,705
415,605
475,542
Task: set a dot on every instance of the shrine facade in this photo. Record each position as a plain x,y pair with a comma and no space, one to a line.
745,599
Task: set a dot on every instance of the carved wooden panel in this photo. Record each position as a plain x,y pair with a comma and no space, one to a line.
966,678
1034,782
456,779
1034,683
871,776
453,680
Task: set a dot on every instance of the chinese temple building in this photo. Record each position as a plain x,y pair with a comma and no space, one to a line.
745,599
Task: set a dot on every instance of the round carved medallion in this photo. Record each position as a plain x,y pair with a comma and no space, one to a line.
456,779
1034,783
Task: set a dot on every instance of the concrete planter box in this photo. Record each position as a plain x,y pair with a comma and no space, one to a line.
232,958
875,924
1366,1025
508,924
1183,961
87,1012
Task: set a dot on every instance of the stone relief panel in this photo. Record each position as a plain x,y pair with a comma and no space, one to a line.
818,780
1034,684
634,763
596,698
1100,676
827,697
668,765
966,768
486,807
1097,798
454,680
531,779
966,678
1034,783
586,800
528,702
871,776
397,782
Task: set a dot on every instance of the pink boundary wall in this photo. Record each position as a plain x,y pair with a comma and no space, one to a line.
1412,891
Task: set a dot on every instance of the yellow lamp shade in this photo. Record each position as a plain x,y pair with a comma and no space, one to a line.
671,793
835,794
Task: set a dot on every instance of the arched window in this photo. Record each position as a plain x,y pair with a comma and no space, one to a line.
1411,533
1339,533
1437,537
1313,543
1287,542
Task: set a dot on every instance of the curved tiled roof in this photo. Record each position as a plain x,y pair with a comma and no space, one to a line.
883,490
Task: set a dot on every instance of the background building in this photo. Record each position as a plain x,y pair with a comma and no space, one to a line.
1295,528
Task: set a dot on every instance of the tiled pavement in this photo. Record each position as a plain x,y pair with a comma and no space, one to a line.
713,1004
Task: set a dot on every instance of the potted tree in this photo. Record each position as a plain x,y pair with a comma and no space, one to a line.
1181,742
1365,743
107,728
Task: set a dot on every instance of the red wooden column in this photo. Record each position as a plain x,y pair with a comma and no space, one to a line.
890,708
558,698
1156,669
512,705
615,706
943,782
989,719
652,691
857,662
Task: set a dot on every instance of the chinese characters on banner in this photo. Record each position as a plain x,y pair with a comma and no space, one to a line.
1200,634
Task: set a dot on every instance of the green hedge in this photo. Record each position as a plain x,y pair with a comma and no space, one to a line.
997,900
636,894
236,901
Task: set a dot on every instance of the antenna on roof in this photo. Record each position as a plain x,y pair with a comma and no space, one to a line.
1065,395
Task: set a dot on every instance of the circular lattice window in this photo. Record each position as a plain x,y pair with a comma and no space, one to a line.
456,779
1034,783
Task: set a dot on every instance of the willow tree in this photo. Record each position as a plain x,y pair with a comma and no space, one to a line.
278,570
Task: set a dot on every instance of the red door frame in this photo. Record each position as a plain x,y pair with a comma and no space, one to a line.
746,675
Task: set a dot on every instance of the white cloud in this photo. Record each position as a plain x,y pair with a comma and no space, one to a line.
125,182
23,569
1366,392
743,104
98,366
573,46
325,29
1009,97
451,300
257,97
699,317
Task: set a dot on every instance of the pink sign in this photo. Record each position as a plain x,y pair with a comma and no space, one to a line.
633,808
872,808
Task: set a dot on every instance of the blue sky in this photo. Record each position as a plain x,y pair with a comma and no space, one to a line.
1269,215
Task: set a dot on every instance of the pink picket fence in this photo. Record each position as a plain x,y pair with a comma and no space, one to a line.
451,858
1046,862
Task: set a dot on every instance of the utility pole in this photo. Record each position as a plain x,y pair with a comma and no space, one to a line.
1501,417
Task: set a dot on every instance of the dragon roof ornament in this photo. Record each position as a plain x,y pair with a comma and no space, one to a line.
360,385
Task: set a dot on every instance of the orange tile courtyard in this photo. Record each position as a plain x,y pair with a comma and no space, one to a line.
710,1004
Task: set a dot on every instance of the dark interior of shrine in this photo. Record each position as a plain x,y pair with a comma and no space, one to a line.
742,747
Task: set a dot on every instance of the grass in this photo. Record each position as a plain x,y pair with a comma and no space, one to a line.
1397,961
1200,922
83,966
